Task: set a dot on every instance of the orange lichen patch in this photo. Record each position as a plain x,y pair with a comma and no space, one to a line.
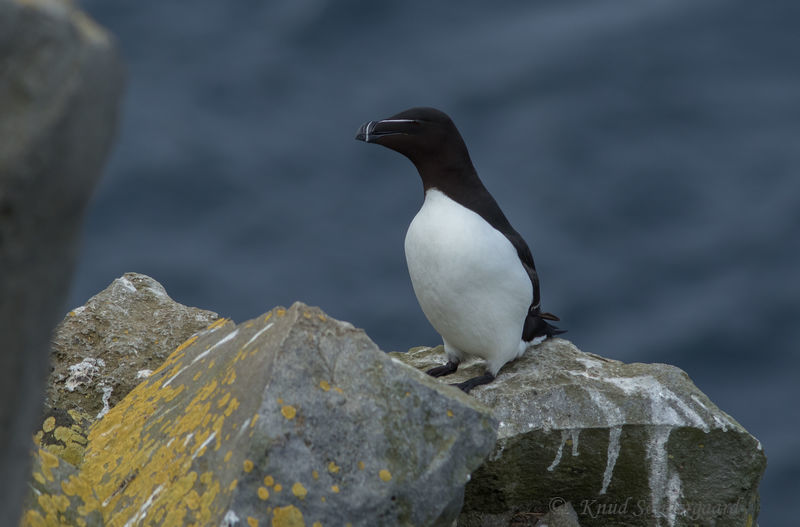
49,462
232,406
306,314
280,311
230,378
360,465
385,475
247,465
336,388
224,400
289,516
188,342
299,490
278,487
335,489
322,317
269,481
49,424
263,493
333,467
252,522
217,323
288,411
324,385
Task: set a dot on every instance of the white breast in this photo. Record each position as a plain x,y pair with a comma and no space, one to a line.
468,280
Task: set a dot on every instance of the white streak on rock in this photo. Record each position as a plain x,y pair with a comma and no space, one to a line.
557,460
106,396
611,456
230,519
142,512
223,340
665,488
258,334
204,443
143,374
575,434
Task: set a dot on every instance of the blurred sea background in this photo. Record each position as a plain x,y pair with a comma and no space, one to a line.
649,152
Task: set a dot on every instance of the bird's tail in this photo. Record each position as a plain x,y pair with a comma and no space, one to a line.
536,325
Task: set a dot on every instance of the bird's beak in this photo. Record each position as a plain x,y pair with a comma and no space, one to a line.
371,131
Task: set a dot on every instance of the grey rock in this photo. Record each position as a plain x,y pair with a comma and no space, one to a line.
288,419
60,88
103,349
632,444
49,501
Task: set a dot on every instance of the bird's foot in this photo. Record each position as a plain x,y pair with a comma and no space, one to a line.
446,369
469,384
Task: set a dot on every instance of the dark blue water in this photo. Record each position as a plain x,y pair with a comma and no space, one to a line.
649,152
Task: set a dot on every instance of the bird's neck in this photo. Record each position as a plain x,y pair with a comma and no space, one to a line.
446,171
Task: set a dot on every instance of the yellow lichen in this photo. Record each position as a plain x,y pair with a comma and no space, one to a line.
385,475
263,493
360,465
315,474
217,323
247,465
289,516
449,413
280,311
333,467
278,487
335,488
269,481
324,385
49,424
299,490
252,522
288,411
49,462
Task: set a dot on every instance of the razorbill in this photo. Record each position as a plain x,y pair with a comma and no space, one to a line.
473,274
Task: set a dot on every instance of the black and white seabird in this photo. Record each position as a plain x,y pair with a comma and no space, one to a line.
473,274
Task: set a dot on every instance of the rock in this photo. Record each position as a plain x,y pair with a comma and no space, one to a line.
60,90
104,348
53,484
292,418
633,444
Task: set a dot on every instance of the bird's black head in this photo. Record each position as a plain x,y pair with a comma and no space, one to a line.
426,136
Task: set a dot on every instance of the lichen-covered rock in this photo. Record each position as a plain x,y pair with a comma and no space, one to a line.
625,444
104,348
292,418
52,500
60,89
